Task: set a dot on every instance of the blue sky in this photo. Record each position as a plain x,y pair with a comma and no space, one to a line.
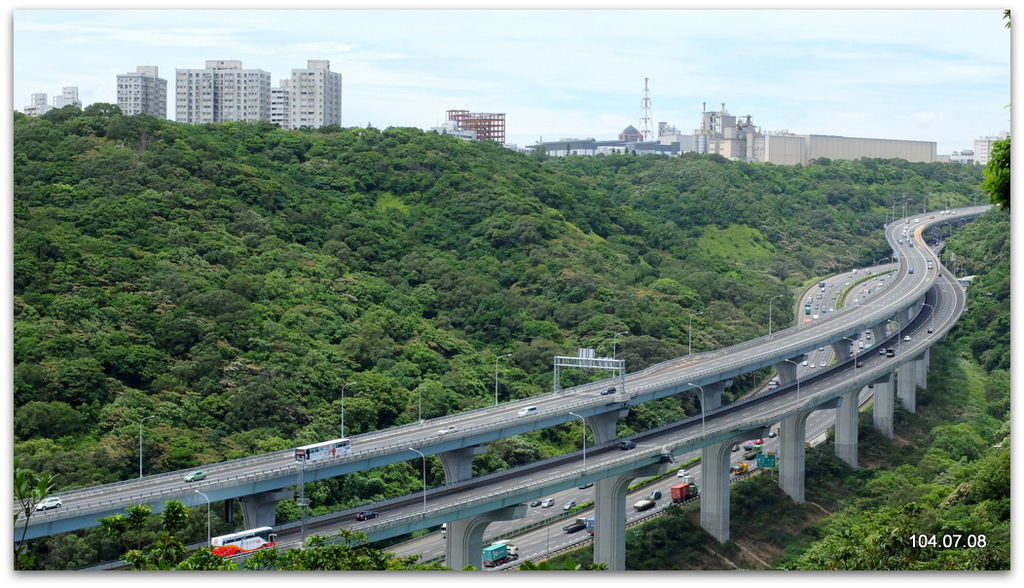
934,75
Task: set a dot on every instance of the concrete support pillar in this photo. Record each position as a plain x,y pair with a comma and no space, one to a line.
884,405
841,349
466,536
877,334
922,369
906,385
458,463
846,427
603,425
787,371
610,516
714,502
713,394
792,435
260,510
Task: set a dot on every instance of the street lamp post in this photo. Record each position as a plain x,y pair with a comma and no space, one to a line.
496,376
614,337
424,461
207,515
796,370
770,312
144,419
702,429
343,407
584,421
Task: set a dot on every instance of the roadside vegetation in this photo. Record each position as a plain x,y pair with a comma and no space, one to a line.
232,280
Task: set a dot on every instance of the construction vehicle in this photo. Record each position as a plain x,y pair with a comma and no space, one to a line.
740,468
498,553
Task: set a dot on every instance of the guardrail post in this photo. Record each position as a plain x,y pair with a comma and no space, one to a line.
610,515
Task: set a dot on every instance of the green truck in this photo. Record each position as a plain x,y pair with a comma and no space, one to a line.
499,553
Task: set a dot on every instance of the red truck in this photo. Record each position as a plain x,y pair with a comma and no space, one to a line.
684,492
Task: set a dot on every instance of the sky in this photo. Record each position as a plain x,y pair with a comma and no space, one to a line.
920,74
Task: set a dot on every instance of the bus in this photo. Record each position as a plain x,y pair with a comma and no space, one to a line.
807,308
821,284
324,450
243,541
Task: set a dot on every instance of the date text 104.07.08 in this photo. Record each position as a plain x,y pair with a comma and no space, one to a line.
951,541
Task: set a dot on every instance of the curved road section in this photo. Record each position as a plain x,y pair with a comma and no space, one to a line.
276,470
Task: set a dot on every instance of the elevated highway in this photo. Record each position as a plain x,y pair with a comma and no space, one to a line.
267,473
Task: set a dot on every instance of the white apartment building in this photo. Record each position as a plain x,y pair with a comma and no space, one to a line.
39,105
983,147
142,92
223,91
311,98
68,97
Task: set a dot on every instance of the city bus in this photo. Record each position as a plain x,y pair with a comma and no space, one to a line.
324,450
243,541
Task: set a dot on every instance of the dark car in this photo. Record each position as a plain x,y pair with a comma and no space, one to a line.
535,503
609,391
367,515
587,485
860,364
627,444
890,352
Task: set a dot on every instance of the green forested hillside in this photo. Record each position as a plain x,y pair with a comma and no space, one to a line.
231,279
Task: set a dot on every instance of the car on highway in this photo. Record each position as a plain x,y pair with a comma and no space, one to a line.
547,503
682,473
446,430
587,485
772,433
195,476
367,515
748,445
627,444
735,448
931,330
906,337
49,502
608,391
535,503
859,364
804,363
527,410
569,505
881,351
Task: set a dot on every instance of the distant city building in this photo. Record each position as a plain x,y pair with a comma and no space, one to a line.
630,134
983,147
489,126
142,92
68,97
310,99
38,102
223,91
38,105
452,128
965,156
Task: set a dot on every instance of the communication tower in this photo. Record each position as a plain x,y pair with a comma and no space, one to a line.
645,113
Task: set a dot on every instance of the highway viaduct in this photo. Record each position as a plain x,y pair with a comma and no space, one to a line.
259,480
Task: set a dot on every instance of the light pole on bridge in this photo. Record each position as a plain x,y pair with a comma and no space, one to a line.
144,419
702,428
423,458
207,515
770,312
584,423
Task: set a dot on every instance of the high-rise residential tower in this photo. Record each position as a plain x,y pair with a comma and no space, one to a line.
311,98
142,92
222,92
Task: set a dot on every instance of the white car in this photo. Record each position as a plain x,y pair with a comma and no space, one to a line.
49,502
682,473
527,410
548,503
446,430
569,505
906,337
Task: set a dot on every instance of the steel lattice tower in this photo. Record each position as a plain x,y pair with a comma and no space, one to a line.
645,113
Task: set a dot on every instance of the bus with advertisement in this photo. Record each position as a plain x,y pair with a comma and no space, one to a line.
324,450
243,541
